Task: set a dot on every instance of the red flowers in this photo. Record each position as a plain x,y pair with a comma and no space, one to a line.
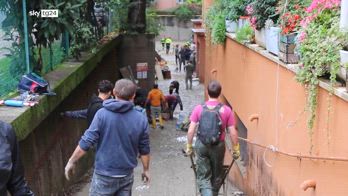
289,22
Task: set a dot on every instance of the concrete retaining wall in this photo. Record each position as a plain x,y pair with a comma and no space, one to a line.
47,139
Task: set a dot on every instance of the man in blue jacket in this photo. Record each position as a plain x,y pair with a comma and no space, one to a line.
121,133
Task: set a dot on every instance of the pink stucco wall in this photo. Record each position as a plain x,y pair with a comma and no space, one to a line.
165,4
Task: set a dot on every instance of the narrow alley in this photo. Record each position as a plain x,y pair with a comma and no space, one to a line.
282,66
171,173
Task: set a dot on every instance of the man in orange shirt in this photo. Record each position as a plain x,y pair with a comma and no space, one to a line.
156,98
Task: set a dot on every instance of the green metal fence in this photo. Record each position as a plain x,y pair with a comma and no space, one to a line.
31,41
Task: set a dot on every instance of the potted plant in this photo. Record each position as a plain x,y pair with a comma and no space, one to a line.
233,11
272,37
245,10
231,22
262,10
320,43
291,14
245,34
344,15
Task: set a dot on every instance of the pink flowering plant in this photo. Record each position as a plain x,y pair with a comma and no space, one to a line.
320,42
317,7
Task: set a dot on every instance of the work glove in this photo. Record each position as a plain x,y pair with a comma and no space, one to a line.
236,152
145,177
70,169
189,149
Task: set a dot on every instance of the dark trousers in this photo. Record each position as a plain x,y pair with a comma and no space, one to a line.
210,159
182,62
177,60
167,48
187,80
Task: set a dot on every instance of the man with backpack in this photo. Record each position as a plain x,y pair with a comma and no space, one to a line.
212,119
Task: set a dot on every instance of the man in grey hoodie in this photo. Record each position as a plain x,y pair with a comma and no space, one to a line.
121,133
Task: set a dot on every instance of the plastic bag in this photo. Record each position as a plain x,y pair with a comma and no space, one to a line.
180,120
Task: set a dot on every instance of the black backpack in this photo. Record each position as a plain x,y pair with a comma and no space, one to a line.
210,125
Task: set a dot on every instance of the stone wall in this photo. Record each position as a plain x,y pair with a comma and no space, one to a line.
138,49
176,29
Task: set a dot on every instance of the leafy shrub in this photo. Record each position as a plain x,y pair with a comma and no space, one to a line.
119,11
83,38
245,34
212,13
218,33
152,24
234,9
263,10
184,13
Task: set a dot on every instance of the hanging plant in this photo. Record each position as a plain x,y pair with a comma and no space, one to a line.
320,36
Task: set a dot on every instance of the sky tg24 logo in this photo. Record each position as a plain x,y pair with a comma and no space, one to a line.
44,13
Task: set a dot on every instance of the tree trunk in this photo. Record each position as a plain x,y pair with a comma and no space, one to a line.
137,16
38,66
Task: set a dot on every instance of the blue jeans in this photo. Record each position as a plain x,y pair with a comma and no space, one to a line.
110,186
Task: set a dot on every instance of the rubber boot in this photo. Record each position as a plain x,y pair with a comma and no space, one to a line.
161,121
154,123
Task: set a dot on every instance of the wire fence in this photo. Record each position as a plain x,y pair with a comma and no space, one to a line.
38,35
35,40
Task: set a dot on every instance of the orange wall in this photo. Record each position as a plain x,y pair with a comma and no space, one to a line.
253,84
165,4
200,57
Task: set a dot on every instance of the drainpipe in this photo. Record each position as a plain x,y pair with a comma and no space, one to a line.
26,42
